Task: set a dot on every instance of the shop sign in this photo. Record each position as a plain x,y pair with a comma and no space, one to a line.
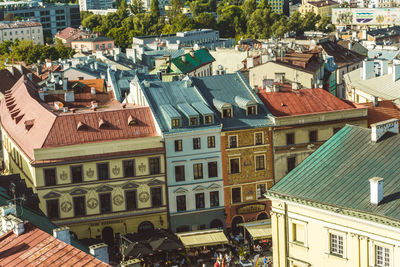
251,208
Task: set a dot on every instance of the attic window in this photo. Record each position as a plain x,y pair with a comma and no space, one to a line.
29,124
176,123
251,110
226,112
208,119
102,123
131,121
194,121
80,126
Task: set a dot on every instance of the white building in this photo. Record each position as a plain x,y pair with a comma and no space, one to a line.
21,30
84,5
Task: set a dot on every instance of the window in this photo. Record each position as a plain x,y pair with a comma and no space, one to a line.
103,171
208,119
290,139
234,165
154,165
236,195
50,177
105,202
156,197
77,174
258,138
181,203
199,200
193,121
52,209
260,162
261,189
313,136
180,173
212,169
196,143
128,168
198,171
291,163
211,141
226,113
131,199
178,145
382,256
252,110
214,198
175,123
233,141
336,244
79,206
109,46
298,233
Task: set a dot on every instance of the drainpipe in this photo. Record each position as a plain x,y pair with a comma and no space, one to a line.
286,235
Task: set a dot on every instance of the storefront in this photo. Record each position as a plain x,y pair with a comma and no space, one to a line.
258,229
197,220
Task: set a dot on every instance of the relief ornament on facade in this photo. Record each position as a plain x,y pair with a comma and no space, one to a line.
144,197
92,203
63,176
116,170
90,173
118,200
66,206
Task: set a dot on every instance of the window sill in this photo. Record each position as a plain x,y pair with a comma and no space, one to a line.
299,244
335,256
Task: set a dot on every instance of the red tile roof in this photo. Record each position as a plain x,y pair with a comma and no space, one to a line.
7,80
35,247
302,101
33,124
385,110
69,32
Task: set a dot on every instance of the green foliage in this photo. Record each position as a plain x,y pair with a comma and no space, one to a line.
249,6
136,7
154,9
176,8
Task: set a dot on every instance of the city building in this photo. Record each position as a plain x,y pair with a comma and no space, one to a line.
70,34
54,17
322,8
339,207
197,63
97,43
279,6
374,81
21,30
354,46
192,137
382,111
246,146
84,5
304,120
96,165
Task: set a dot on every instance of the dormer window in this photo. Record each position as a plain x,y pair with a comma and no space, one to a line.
226,112
252,110
208,119
175,123
194,121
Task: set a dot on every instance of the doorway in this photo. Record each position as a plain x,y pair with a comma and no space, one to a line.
108,235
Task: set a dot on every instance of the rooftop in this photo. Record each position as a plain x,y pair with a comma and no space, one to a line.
94,39
385,32
336,176
302,101
192,60
383,54
35,247
342,56
323,3
68,33
385,110
18,24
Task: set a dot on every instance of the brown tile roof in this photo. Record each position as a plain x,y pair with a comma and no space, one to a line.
33,124
305,61
69,32
302,101
35,247
385,110
98,84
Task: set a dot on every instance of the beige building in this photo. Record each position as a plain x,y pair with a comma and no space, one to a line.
21,30
304,120
322,8
339,207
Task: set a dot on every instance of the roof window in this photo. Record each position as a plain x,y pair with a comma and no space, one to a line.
131,121
81,126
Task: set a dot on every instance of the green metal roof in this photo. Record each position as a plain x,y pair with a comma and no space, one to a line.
338,173
187,110
201,57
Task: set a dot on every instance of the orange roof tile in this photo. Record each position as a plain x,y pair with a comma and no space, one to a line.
35,247
302,101
385,110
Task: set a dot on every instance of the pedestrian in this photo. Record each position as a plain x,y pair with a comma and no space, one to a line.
216,264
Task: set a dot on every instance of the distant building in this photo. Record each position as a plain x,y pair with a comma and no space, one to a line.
339,206
70,34
354,46
279,6
54,17
21,30
304,120
99,43
382,111
322,8
84,5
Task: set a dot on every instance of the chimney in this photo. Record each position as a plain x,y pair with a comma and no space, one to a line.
350,45
17,224
376,190
116,57
367,70
65,84
183,57
96,65
384,67
380,128
191,53
100,251
69,96
29,75
375,101
396,72
5,210
92,90
62,234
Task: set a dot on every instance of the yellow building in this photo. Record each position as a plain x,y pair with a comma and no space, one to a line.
322,8
339,207
97,166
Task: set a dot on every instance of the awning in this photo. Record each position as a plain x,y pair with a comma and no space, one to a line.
258,229
210,237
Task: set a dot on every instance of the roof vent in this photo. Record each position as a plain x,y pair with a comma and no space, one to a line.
376,190
29,124
131,121
102,123
81,126
380,128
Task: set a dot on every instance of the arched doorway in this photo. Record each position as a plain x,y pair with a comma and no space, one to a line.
262,216
235,221
108,235
145,226
216,224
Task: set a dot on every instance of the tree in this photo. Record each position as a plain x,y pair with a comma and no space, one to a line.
176,8
154,9
310,21
232,21
325,25
122,11
249,6
205,21
92,21
136,7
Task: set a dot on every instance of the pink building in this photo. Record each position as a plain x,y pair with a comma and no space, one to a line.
70,34
98,43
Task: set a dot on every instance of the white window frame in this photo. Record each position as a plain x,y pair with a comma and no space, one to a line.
372,252
291,233
262,138
328,243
